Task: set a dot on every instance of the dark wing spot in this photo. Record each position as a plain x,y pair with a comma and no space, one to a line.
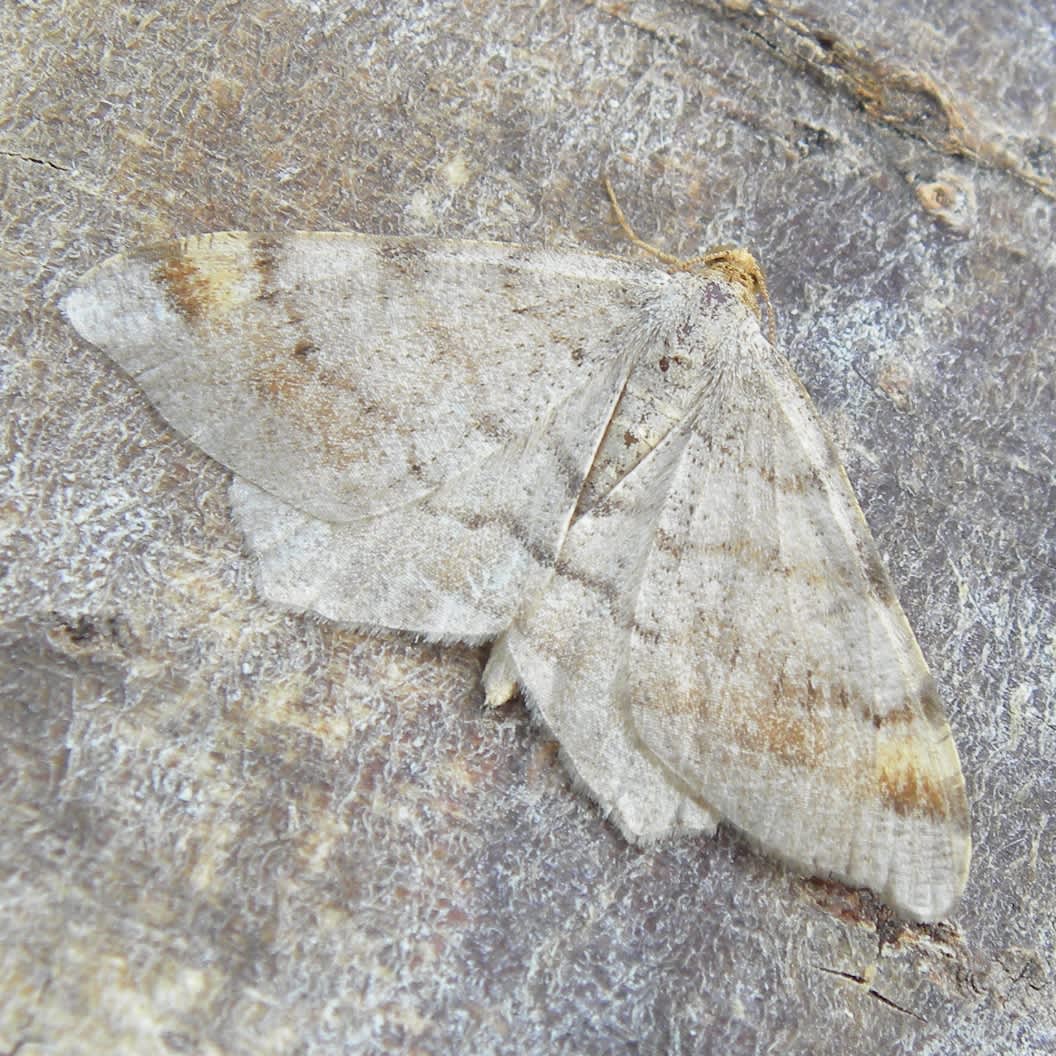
929,703
901,716
266,250
878,578
402,256
186,288
908,790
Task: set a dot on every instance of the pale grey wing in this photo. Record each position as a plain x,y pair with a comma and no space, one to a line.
347,374
771,668
722,617
568,649
444,397
455,563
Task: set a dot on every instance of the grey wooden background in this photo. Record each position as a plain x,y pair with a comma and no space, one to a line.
228,829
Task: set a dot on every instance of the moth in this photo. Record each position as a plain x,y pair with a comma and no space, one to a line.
604,468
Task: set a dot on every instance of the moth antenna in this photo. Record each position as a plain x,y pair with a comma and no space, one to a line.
733,263
667,258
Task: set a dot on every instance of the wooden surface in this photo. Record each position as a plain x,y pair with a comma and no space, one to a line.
229,829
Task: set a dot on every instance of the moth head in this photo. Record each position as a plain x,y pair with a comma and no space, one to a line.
734,264
740,268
